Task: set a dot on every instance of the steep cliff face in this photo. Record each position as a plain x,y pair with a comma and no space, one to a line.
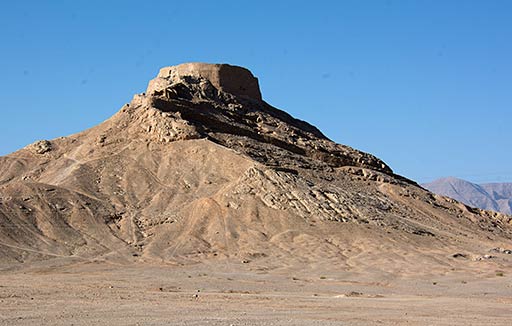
200,167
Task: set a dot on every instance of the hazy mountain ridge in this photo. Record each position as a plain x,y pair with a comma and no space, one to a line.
489,196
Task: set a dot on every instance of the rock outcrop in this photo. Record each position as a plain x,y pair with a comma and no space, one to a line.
223,103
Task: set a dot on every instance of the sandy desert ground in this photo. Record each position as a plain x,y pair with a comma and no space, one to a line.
230,292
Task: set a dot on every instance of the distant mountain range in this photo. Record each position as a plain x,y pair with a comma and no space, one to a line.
489,196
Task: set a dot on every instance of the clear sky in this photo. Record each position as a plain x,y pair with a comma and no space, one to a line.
424,85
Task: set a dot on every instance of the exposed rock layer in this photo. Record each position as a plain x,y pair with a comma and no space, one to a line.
223,103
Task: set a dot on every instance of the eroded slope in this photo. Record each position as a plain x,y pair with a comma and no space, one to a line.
197,168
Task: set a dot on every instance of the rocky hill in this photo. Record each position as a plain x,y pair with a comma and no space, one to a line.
200,167
490,196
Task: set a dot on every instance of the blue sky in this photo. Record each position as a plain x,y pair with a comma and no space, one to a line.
424,85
